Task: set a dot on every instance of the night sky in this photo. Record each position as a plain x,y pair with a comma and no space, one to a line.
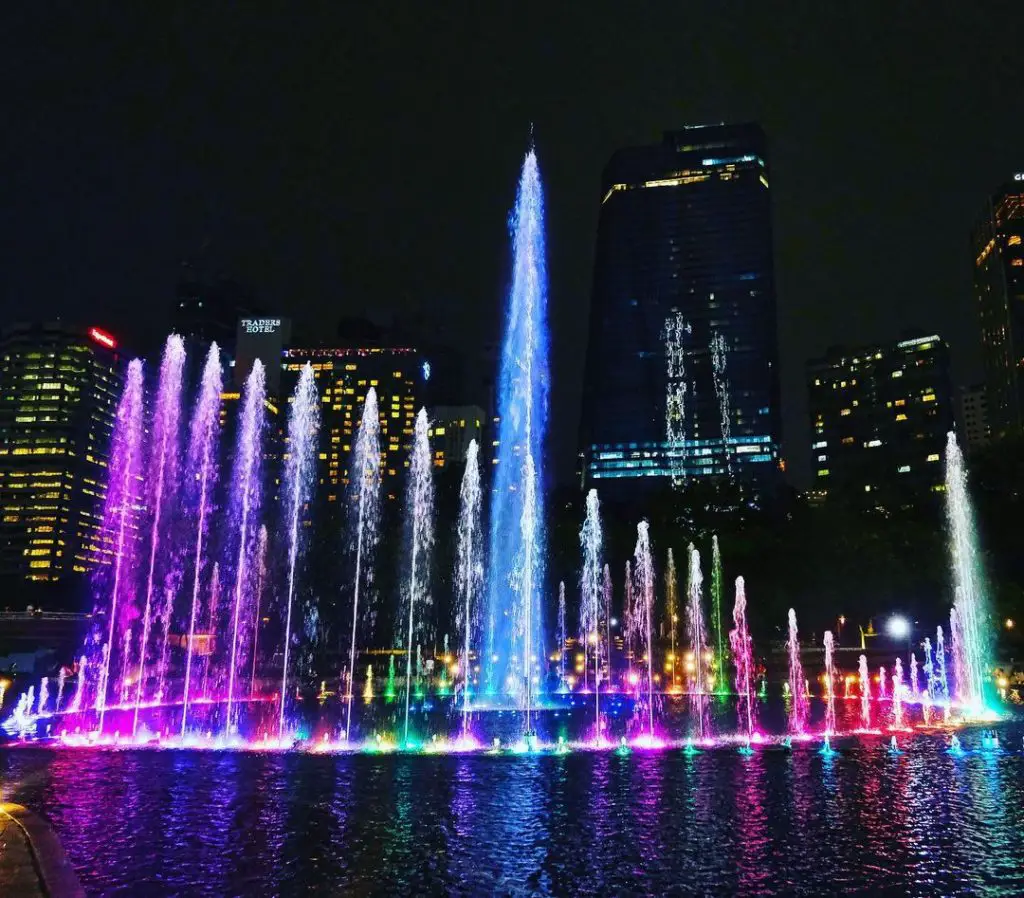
362,158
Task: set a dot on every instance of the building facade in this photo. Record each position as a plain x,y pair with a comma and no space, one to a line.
343,377
974,416
879,420
682,364
59,389
452,427
998,249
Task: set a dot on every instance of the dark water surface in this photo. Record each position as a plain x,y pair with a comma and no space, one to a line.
155,823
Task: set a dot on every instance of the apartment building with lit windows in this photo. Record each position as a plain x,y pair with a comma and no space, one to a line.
59,389
879,419
452,427
998,253
343,376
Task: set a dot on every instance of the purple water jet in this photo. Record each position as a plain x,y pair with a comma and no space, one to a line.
303,433
247,496
162,480
830,691
644,609
742,648
200,479
120,520
865,692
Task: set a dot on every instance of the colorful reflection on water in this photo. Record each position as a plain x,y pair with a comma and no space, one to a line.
922,821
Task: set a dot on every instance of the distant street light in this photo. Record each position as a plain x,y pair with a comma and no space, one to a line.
898,627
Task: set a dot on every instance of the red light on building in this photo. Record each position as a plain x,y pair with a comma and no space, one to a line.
103,338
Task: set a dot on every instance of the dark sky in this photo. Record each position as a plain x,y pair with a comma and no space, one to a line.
346,158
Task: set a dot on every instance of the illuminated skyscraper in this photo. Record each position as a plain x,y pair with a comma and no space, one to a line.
998,246
681,376
59,388
343,375
879,419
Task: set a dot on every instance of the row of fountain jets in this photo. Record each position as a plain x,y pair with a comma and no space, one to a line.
127,665
184,630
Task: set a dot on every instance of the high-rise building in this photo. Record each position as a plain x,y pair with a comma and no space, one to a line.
998,246
451,429
59,389
879,419
974,416
343,377
263,339
682,375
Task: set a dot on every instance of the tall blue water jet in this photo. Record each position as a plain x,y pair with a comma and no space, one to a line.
162,481
591,596
120,515
246,494
365,504
300,468
201,479
970,605
517,514
469,572
419,509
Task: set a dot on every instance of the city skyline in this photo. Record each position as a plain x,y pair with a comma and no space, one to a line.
310,210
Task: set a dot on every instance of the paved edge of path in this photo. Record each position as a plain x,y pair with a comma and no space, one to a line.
57,879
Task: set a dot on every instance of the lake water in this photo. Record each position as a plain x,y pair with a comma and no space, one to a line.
778,822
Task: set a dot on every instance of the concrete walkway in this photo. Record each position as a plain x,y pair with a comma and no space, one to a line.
32,863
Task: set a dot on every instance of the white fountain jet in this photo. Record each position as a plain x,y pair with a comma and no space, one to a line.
366,479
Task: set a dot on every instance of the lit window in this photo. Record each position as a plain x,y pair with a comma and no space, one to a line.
823,472
897,374
928,397
903,469
844,412
933,457
901,417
